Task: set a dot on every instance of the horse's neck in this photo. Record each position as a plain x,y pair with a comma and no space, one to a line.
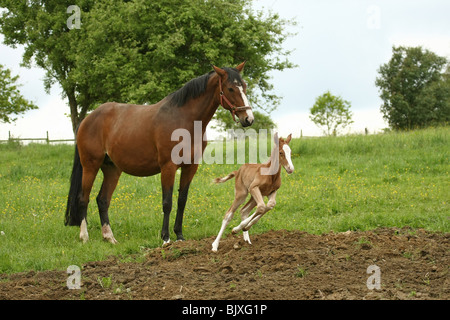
204,107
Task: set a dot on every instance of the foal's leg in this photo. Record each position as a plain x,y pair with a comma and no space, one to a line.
187,173
270,205
261,207
111,176
239,199
246,209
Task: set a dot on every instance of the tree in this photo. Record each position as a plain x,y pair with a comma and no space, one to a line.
12,103
414,88
140,51
331,112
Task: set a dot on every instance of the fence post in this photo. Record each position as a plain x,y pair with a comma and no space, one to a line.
48,140
9,136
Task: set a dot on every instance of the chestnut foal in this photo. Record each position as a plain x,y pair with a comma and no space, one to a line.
259,180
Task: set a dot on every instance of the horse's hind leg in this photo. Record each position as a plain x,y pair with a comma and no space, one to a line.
86,187
111,176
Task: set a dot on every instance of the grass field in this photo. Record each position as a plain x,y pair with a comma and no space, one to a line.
339,184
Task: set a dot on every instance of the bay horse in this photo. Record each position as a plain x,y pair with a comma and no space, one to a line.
136,139
259,180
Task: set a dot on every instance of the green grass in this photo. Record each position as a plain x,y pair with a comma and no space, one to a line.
339,184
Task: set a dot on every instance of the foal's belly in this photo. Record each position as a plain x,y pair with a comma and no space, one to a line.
266,190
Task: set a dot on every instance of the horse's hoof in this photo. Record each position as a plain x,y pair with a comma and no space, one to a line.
166,243
84,237
111,240
107,234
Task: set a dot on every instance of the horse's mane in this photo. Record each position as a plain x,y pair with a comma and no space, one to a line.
197,86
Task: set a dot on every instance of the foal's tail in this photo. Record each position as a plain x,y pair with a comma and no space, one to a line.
228,177
73,212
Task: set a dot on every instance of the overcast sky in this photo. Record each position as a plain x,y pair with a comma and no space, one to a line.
338,47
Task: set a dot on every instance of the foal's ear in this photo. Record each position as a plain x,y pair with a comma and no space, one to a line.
241,66
219,71
288,139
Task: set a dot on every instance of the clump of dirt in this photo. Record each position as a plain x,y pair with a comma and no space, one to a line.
287,265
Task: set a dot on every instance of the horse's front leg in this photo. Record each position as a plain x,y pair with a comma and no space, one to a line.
167,181
187,173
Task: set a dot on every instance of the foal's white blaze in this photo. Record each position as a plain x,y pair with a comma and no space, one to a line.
287,154
246,103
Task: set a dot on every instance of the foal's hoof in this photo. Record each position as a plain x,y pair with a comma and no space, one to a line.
166,243
180,238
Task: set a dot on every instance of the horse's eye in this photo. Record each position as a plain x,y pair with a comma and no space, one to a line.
231,89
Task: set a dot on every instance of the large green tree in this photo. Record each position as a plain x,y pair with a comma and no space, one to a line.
415,88
12,103
139,51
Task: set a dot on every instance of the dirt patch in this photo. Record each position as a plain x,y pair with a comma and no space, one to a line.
288,265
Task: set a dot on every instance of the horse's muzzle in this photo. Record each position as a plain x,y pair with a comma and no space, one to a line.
247,122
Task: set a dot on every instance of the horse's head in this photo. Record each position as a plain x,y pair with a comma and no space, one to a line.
233,97
285,153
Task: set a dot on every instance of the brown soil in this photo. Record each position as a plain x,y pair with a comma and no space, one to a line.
288,265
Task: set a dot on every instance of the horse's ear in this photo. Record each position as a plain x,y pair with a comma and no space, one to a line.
288,139
241,66
219,71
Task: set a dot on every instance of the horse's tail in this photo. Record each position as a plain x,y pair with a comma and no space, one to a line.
73,212
228,177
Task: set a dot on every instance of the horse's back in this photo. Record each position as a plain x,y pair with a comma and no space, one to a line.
125,133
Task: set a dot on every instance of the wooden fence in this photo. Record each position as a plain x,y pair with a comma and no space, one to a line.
46,139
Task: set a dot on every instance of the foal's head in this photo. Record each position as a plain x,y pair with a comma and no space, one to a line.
285,153
233,92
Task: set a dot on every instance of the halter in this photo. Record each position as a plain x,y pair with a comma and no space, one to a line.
233,108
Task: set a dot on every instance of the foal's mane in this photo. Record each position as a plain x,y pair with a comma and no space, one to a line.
195,87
